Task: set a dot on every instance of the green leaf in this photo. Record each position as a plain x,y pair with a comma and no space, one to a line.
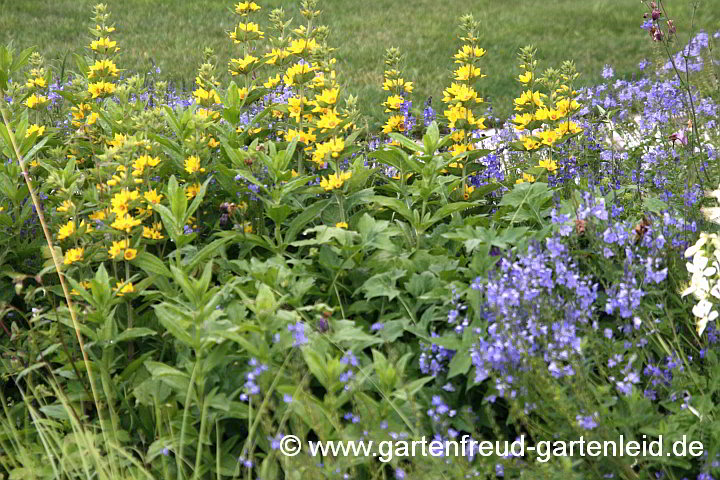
172,377
149,263
406,142
383,284
132,333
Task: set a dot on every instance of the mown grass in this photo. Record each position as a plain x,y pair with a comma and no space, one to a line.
174,34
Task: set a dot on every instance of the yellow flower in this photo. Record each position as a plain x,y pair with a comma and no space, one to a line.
66,206
525,78
192,190
530,143
568,127
246,31
243,8
328,120
85,284
468,190
122,290
38,82
125,223
522,120
192,165
152,233
151,196
34,128
35,101
467,51
78,113
117,142
275,55
341,225
398,83
394,123
101,88
104,44
526,178
304,137
247,227
204,96
300,45
393,102
92,118
328,96
529,97
460,93
103,68
335,180
117,248
298,73
99,215
66,230
548,164
239,66
272,82
73,255
129,254
212,143
468,72
121,201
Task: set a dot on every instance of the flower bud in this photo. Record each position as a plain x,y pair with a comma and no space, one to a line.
656,14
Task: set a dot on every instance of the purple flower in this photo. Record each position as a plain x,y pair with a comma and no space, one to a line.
587,422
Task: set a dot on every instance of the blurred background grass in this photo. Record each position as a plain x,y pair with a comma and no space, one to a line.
173,34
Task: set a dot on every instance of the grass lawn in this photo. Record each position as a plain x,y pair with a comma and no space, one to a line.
173,35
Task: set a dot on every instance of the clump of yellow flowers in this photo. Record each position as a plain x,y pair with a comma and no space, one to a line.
461,98
544,120
398,89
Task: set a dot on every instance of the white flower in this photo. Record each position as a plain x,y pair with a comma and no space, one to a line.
698,245
699,265
702,322
715,291
702,308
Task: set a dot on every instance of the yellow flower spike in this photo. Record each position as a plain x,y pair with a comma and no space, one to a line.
74,255
205,96
66,230
460,93
35,129
192,165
